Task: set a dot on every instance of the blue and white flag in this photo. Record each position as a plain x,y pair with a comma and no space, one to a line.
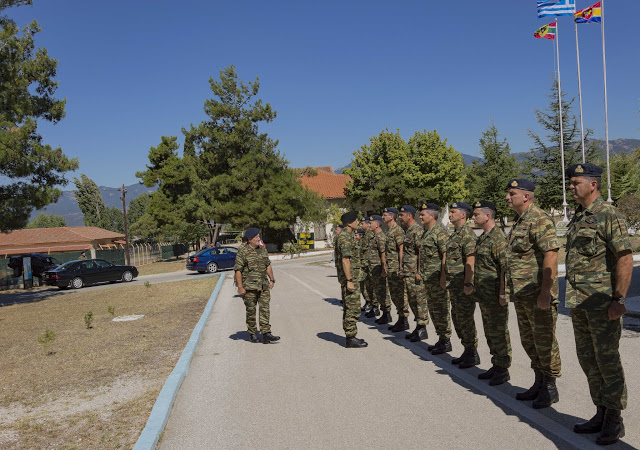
556,8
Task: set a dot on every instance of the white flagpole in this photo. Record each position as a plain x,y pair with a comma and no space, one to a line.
564,189
606,117
584,157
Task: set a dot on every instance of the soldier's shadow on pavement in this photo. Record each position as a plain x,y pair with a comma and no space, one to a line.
331,337
240,336
333,301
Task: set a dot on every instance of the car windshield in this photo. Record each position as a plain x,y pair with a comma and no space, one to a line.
232,250
66,265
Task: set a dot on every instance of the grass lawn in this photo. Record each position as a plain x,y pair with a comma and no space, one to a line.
92,388
172,265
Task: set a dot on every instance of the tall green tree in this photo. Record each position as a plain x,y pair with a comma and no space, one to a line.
95,212
30,170
137,208
488,177
543,163
625,175
47,221
391,171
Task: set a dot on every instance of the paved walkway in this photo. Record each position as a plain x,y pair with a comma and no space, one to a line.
308,391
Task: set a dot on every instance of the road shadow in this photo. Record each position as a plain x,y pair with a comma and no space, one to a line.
332,337
27,296
333,301
240,336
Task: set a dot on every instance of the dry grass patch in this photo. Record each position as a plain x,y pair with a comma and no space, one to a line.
163,267
96,386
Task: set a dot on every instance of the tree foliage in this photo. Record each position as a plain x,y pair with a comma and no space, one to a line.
629,207
543,163
488,178
47,221
30,170
95,213
391,171
625,174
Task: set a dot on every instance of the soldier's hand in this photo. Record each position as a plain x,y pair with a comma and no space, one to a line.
383,274
418,277
241,290
271,284
468,290
350,286
443,283
502,299
616,310
544,300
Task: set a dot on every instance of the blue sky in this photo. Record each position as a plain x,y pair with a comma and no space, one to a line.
337,73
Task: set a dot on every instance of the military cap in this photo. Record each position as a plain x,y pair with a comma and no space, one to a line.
461,205
522,184
251,233
407,209
391,210
365,219
375,218
430,207
360,231
349,217
485,204
584,170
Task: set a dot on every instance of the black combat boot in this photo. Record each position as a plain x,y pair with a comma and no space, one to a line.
268,338
412,334
461,358
401,325
391,327
472,359
253,338
374,312
353,342
548,394
533,391
385,318
593,425
367,307
420,335
442,346
500,376
487,375
612,428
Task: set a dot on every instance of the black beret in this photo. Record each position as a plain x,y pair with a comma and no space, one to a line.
461,205
521,183
376,218
359,231
251,233
349,217
391,210
365,219
584,170
429,206
485,204
408,209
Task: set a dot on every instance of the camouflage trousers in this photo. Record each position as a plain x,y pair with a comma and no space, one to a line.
495,320
261,298
350,309
538,336
366,287
380,289
398,294
463,308
417,300
597,342
438,306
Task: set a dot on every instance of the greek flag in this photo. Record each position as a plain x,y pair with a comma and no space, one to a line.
556,8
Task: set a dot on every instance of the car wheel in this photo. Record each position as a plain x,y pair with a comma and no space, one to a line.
127,276
77,283
212,267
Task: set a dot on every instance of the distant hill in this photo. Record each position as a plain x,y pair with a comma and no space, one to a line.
67,206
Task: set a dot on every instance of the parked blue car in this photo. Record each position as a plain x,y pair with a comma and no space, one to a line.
212,259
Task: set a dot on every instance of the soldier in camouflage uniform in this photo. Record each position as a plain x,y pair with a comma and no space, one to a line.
378,262
488,291
394,242
411,272
251,268
335,241
532,285
366,285
458,271
599,266
348,276
433,248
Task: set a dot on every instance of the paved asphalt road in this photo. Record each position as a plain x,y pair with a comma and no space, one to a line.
308,391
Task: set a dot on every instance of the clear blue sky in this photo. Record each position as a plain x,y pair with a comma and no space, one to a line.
337,73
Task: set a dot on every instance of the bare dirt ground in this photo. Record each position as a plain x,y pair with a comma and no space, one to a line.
91,387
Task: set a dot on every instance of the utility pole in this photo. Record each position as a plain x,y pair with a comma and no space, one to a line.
126,228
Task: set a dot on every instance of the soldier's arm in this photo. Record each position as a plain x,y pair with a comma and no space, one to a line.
346,268
238,277
443,275
418,265
400,250
549,272
272,280
503,298
469,268
624,269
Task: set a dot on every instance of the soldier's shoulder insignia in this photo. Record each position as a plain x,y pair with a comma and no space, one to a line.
590,219
579,169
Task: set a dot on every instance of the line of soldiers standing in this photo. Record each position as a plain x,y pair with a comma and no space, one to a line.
441,277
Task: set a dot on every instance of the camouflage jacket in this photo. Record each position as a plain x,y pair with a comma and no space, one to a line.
347,247
410,249
395,238
253,263
532,235
335,247
594,236
460,245
433,246
491,258
366,245
377,247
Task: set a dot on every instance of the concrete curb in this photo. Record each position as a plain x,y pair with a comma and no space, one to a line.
159,416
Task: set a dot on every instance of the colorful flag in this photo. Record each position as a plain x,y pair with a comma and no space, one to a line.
548,31
592,14
556,7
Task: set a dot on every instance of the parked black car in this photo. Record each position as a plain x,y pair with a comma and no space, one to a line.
39,264
77,274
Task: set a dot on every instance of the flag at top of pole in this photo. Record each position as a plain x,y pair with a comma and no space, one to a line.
592,14
546,31
556,8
